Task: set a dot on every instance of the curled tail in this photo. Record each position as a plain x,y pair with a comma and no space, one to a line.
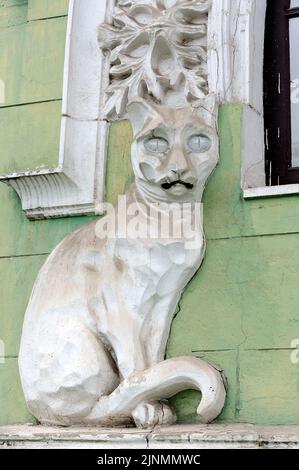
160,382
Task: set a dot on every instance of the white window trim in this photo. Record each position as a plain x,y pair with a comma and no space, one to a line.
271,191
236,43
77,185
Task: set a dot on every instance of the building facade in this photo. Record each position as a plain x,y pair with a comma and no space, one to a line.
241,309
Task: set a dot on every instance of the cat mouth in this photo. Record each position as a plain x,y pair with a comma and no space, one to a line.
175,183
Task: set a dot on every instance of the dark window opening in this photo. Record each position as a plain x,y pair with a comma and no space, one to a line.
281,96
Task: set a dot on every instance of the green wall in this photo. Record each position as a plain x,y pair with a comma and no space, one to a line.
32,36
240,311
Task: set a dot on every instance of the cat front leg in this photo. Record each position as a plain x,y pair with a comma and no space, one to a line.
146,414
127,349
130,356
157,331
154,340
133,339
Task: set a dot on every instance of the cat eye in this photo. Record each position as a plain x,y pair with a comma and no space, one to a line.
199,143
156,144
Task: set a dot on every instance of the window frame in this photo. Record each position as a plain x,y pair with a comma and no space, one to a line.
277,95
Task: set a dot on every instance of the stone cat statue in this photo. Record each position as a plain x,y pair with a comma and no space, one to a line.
97,324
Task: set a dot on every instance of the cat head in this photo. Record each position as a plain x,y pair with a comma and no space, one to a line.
174,150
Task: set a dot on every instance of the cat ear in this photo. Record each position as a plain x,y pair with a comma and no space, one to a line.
140,113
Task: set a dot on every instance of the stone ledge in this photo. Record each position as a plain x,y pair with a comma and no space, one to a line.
214,436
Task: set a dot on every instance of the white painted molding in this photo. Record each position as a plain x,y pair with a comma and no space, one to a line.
271,191
235,63
76,185
187,436
253,149
235,51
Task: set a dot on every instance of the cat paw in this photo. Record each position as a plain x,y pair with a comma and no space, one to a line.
154,413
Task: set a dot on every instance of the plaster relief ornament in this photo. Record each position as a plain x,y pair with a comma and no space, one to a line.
98,320
158,48
97,324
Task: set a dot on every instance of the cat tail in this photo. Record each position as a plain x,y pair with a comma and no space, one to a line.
159,382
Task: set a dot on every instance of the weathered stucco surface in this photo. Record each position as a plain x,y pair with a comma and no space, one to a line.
240,311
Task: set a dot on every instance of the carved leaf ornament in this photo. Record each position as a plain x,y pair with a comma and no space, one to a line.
158,49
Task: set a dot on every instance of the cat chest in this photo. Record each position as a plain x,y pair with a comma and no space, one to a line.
156,261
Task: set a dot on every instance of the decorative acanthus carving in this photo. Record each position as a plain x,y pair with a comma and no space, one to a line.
97,324
157,49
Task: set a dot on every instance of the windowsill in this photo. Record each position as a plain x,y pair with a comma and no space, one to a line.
271,191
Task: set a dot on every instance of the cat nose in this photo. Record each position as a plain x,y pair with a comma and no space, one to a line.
179,168
178,163
179,174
